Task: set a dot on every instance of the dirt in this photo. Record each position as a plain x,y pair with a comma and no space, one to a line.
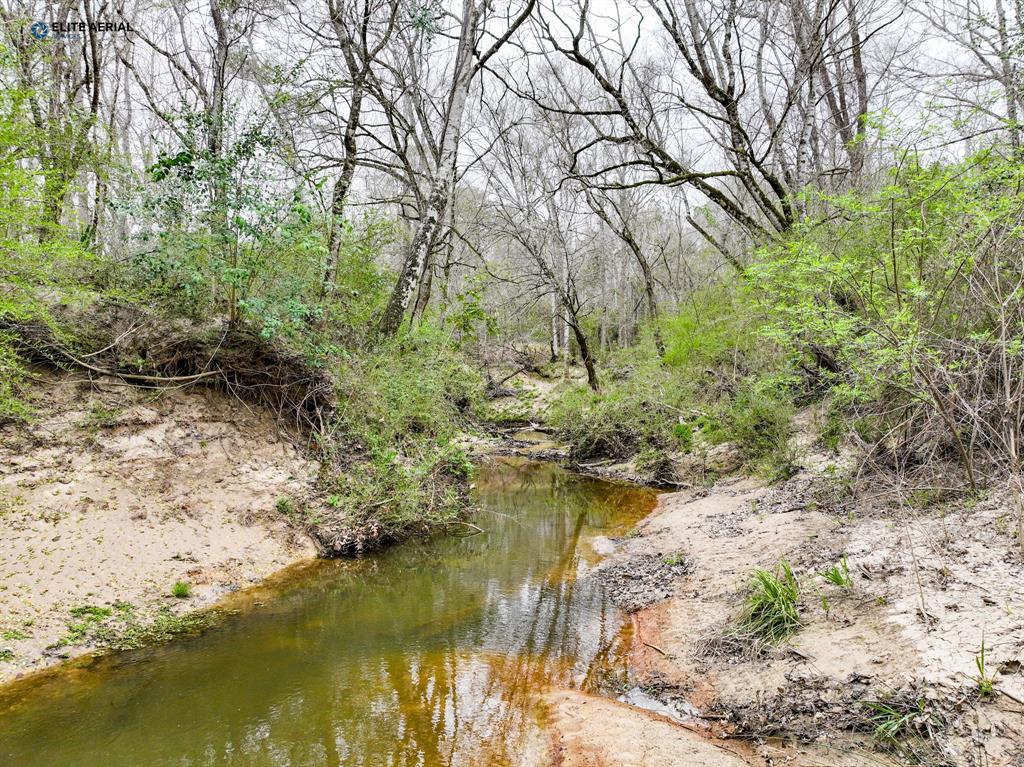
927,586
642,580
113,493
598,732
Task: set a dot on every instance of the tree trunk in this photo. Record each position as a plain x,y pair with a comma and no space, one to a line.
440,191
586,354
339,194
554,328
426,281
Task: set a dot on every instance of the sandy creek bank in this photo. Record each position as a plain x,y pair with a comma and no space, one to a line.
925,591
115,492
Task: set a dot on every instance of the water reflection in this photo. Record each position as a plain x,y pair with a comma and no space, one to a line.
426,654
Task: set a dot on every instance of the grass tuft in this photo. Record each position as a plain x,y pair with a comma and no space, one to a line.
983,679
772,613
181,590
902,724
839,575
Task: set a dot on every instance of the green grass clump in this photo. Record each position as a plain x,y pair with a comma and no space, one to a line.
891,721
983,679
902,724
839,575
100,417
771,612
181,590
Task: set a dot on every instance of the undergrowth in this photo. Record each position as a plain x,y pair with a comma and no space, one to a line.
713,386
395,465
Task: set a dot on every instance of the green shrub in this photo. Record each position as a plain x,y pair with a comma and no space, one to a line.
903,298
181,590
715,328
758,419
636,410
397,464
833,430
12,376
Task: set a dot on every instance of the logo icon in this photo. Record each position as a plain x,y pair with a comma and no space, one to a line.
40,30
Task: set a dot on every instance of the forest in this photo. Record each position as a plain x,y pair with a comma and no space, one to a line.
687,240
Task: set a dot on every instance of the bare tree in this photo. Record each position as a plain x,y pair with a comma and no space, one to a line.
977,73
468,63
363,30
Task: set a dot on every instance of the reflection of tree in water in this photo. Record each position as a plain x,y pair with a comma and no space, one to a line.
463,697
427,655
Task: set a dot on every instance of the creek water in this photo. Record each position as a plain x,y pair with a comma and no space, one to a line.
429,653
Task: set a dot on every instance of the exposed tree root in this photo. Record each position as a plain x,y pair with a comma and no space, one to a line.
145,350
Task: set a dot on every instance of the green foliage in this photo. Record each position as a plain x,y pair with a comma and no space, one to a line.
181,590
902,724
891,722
771,612
88,618
12,380
127,631
677,559
839,574
716,329
469,311
413,388
901,297
100,417
636,411
121,628
401,410
683,434
758,419
219,237
833,430
715,384
37,258
983,679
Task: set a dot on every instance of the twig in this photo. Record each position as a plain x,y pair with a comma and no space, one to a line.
654,647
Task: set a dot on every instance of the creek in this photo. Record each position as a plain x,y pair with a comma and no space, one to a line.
433,652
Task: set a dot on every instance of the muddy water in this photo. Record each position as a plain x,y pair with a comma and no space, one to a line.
425,654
